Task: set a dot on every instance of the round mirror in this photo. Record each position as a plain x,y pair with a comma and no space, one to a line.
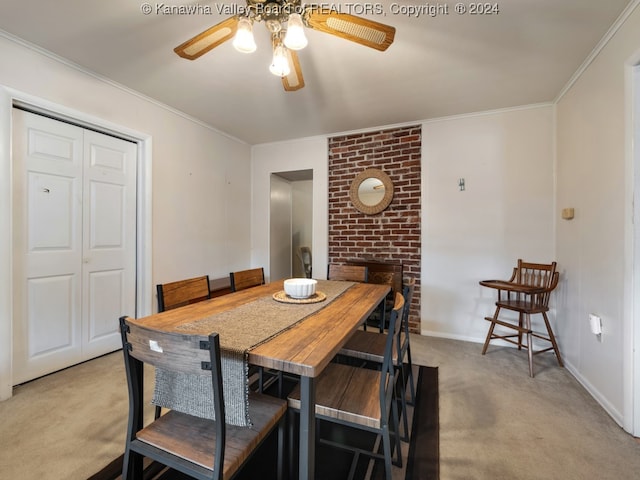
371,191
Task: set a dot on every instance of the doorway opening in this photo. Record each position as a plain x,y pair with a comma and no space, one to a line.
290,225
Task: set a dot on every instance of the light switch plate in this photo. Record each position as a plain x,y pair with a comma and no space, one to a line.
596,324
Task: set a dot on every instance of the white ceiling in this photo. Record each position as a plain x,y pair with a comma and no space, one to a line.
438,66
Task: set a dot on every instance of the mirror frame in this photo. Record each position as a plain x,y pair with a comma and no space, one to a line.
388,191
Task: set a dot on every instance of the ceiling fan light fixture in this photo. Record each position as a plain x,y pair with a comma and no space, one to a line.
295,39
244,41
280,63
273,25
286,21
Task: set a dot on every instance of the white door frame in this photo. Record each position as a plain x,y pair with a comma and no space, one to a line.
8,98
631,332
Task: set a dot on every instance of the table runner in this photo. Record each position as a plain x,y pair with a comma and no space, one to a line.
240,330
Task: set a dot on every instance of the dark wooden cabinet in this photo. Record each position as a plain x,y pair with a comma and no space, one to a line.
382,271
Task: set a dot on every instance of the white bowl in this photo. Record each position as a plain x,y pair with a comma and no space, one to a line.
300,287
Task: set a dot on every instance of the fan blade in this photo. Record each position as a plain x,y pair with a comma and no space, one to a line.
360,30
294,80
209,39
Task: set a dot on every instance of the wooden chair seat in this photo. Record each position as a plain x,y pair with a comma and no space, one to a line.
194,439
523,306
340,391
368,346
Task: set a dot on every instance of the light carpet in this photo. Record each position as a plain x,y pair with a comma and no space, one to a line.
495,421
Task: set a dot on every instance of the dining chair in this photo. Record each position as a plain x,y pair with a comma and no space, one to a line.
182,292
527,292
304,254
352,273
361,398
369,347
246,278
198,447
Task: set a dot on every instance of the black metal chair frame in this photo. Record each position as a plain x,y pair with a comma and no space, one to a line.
388,408
370,351
134,358
404,349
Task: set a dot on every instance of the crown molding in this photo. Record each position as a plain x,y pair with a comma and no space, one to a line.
68,63
626,13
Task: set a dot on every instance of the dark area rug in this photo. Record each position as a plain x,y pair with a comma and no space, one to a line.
332,463
423,461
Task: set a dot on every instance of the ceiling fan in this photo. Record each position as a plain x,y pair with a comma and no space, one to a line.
285,20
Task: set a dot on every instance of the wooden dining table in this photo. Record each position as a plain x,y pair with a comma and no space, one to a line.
303,349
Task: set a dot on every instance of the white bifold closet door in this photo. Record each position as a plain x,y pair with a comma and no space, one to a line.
74,218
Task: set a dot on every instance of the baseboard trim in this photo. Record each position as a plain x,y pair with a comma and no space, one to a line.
595,393
591,390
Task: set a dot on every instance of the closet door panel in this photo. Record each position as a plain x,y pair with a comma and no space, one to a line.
110,234
51,315
47,206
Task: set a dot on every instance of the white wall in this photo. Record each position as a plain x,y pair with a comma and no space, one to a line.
202,202
521,168
594,177
200,184
504,213
303,154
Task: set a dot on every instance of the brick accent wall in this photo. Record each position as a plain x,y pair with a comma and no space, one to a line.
393,234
